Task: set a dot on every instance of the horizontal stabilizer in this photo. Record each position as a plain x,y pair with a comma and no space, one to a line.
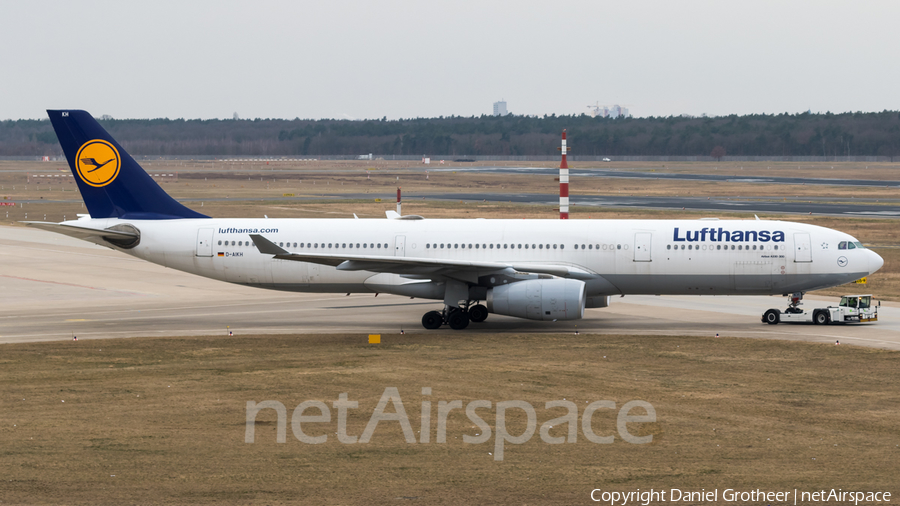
81,232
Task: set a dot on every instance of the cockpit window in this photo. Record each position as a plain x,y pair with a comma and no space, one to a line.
859,245
842,245
851,245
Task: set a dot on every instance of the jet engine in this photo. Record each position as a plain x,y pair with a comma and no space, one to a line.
539,299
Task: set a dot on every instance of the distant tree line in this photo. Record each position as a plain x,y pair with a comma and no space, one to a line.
846,134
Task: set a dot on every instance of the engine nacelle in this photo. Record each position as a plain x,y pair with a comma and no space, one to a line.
597,301
539,299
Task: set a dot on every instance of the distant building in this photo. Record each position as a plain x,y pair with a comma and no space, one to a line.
618,111
500,108
612,111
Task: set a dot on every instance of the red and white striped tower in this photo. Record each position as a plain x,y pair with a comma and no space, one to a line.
398,201
563,182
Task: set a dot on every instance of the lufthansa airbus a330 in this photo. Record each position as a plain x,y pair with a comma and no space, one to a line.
534,269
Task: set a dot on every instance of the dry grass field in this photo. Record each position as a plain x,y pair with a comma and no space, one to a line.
163,420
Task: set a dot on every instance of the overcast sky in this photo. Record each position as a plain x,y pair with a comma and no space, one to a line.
369,59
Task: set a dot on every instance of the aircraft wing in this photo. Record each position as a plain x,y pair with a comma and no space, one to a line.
414,265
80,232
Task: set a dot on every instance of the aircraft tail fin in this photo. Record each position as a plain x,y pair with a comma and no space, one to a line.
111,183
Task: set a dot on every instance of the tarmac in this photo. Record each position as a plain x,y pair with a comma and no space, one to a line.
637,174
53,287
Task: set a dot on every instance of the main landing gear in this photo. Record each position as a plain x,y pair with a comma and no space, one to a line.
457,318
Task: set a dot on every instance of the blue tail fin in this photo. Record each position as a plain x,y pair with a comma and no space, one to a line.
112,184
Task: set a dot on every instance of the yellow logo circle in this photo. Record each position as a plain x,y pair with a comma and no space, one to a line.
97,162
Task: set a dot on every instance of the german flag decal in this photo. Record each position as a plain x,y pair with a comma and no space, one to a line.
221,254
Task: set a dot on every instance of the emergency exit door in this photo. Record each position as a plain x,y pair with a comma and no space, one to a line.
802,248
204,242
642,246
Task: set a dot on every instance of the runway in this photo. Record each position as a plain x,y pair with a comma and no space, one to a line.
53,287
670,176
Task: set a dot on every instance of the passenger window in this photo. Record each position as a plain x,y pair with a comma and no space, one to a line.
554,246
220,243
562,246
379,245
427,246
718,246
520,246
669,246
344,245
618,246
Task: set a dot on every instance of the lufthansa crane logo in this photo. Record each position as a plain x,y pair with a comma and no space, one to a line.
97,162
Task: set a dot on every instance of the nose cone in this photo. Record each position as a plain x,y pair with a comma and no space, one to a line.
875,261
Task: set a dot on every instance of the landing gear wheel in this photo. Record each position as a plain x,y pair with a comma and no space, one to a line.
772,316
820,318
478,313
433,320
458,320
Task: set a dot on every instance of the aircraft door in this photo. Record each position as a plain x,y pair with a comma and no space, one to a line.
802,248
400,246
204,242
642,246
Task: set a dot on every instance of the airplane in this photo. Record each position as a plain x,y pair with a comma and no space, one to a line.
536,269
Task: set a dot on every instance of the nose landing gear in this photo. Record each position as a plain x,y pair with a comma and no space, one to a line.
457,318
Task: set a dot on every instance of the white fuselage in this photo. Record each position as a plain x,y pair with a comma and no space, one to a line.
701,257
